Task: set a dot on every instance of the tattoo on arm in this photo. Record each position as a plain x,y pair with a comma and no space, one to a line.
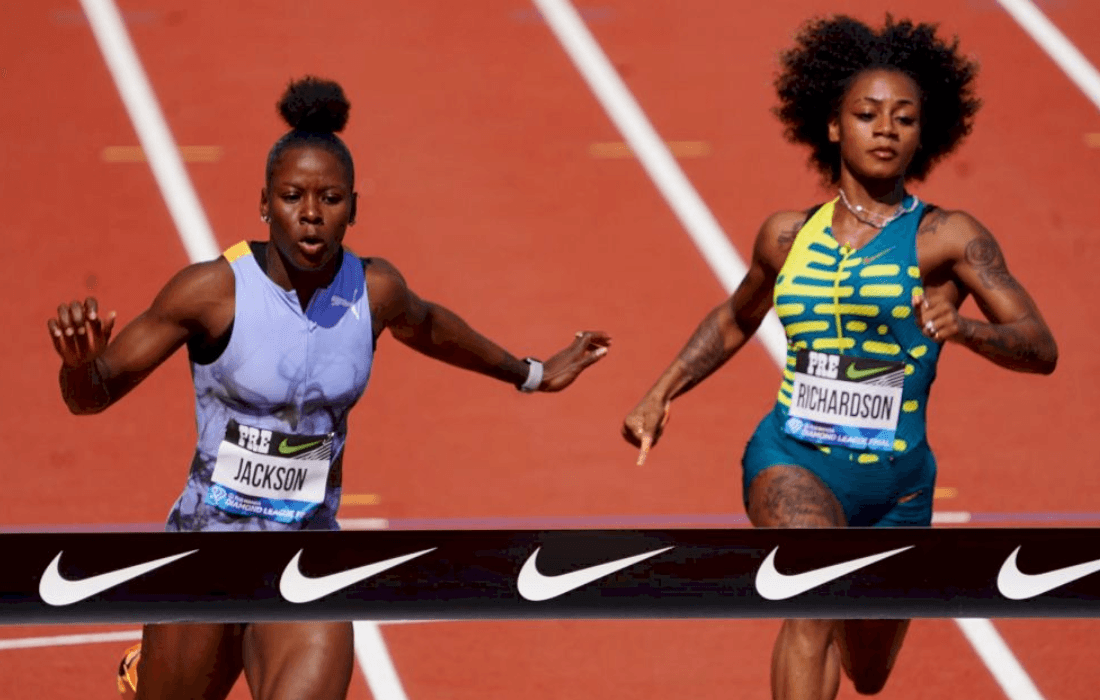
985,256
1025,345
705,351
931,222
787,236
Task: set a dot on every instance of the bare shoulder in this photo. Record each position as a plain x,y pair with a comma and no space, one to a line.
383,277
390,297
196,290
783,226
960,234
960,239
949,224
776,236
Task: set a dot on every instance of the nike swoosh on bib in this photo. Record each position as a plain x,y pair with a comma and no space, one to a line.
773,585
854,373
1016,585
293,449
298,588
56,590
536,587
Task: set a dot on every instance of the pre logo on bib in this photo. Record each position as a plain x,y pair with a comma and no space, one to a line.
268,474
852,402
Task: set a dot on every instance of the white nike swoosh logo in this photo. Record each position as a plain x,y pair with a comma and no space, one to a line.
1016,585
298,588
773,585
57,590
536,586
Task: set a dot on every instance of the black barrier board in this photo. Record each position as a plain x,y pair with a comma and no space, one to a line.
527,574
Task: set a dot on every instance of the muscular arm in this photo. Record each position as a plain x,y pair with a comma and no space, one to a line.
189,305
730,325
434,330
1015,335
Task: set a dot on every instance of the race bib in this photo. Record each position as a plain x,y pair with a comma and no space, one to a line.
851,402
268,474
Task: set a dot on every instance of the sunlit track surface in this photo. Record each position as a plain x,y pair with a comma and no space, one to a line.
479,183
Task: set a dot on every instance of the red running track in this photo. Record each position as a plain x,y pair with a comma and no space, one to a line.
472,130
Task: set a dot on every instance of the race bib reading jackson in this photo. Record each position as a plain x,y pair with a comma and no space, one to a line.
268,474
852,402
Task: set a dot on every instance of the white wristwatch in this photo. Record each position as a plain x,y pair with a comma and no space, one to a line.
534,376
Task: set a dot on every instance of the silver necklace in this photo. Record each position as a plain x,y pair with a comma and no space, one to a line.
873,218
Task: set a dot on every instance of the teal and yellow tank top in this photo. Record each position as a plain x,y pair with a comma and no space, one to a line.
858,369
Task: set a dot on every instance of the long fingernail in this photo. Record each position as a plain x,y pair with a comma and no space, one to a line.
600,352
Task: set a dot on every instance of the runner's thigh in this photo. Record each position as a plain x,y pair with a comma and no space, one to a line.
790,496
188,661
293,660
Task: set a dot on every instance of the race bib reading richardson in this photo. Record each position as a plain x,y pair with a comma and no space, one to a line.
852,402
268,474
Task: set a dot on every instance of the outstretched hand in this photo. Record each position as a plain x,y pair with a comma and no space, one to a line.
79,333
565,366
644,425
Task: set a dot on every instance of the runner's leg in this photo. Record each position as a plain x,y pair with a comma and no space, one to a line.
188,661
293,660
805,659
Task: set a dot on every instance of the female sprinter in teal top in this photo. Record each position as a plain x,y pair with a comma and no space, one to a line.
868,288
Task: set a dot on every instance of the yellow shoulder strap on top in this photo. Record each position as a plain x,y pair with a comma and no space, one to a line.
237,250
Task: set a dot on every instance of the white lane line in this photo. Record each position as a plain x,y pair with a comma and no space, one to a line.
654,156
62,640
370,649
152,129
1007,671
194,230
1057,45
624,111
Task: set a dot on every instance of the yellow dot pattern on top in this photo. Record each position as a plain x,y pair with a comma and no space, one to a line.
834,299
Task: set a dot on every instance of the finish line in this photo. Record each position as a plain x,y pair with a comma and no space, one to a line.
551,574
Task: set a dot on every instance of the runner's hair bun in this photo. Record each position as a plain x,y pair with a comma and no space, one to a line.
314,105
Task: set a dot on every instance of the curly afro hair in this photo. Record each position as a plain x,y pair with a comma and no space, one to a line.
830,52
315,109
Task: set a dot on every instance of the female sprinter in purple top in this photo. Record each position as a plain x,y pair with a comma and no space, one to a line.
280,336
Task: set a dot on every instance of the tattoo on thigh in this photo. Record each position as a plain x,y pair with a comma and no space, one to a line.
795,498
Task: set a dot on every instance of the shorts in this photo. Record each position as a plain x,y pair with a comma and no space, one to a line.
868,492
